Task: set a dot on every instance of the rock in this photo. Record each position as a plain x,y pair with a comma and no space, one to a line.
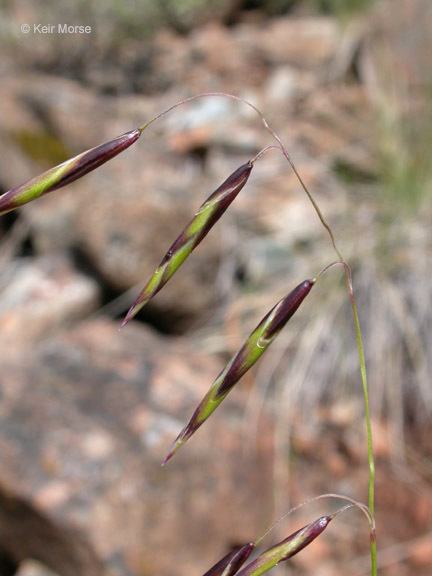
281,85
421,552
217,48
86,421
34,568
306,43
61,107
37,296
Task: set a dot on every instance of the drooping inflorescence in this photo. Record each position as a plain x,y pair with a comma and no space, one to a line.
257,342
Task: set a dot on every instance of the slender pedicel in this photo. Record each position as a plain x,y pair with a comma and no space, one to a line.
66,172
351,504
256,344
206,217
232,562
272,133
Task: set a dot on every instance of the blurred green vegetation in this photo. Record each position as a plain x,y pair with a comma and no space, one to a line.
43,147
191,12
137,19
405,167
340,8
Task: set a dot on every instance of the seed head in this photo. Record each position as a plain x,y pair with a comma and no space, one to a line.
66,172
286,548
206,217
256,344
232,562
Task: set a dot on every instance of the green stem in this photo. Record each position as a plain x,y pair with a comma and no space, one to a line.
371,490
360,349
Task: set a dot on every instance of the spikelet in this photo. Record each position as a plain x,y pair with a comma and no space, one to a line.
256,344
206,217
66,172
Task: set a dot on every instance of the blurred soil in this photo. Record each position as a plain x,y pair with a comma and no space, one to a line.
88,413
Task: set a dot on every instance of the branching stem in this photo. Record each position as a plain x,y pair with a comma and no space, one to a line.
340,261
272,133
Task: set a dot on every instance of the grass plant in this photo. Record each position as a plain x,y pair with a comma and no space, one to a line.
259,339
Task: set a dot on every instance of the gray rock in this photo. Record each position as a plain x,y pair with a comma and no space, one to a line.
305,43
85,422
34,568
37,296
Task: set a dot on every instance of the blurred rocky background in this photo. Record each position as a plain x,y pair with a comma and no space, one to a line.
87,413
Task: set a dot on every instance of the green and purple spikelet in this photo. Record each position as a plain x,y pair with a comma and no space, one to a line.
66,172
284,550
287,548
206,217
256,344
232,562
